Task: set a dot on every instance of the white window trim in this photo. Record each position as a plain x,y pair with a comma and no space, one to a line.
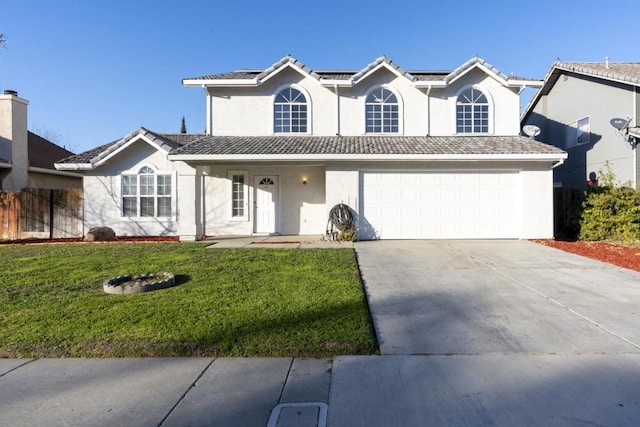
400,110
573,128
244,217
134,171
491,111
309,110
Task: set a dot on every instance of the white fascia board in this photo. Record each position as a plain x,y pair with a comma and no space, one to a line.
282,67
220,83
486,70
54,172
339,83
428,84
125,146
74,166
376,68
362,157
528,83
6,165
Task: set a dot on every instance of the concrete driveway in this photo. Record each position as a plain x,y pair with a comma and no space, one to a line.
481,297
492,333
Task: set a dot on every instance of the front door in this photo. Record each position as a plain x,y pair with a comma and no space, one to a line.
266,204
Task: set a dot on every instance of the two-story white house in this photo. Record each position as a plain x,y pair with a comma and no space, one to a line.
414,154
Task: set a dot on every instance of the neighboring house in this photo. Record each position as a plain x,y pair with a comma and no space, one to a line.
26,159
574,109
414,154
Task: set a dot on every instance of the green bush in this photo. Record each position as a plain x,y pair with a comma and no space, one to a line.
610,211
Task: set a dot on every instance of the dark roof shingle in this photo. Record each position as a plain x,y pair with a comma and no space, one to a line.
366,145
44,153
173,140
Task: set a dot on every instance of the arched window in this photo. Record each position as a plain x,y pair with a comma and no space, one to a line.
381,110
472,112
146,194
290,112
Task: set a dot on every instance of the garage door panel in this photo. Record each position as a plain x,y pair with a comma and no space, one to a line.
438,205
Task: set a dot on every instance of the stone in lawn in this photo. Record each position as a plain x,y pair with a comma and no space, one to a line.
100,234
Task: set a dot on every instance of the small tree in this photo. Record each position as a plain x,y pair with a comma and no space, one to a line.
610,211
183,126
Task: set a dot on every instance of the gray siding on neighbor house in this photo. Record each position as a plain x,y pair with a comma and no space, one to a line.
574,97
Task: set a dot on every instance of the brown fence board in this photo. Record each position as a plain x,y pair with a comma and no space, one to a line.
9,215
41,213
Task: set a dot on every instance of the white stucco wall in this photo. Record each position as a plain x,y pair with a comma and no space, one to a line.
504,109
103,202
537,203
249,111
300,207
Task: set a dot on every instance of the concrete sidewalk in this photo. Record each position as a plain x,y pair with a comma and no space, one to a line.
492,389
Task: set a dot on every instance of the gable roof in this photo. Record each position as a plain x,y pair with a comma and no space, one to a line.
93,158
343,78
619,72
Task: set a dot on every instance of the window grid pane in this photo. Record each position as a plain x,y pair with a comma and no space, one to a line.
130,206
147,206
290,112
142,193
382,112
238,196
472,112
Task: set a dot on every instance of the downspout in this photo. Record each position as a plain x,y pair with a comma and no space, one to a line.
560,163
209,119
429,110
634,147
335,88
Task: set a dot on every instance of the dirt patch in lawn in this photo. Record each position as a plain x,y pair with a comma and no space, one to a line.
626,256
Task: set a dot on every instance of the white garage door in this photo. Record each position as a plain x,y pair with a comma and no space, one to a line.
443,205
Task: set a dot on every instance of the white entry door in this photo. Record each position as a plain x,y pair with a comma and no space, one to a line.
266,204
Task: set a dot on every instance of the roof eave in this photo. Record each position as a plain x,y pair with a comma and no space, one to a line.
220,82
54,172
5,165
546,157
74,166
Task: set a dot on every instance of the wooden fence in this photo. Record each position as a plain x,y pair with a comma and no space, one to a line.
41,213
566,206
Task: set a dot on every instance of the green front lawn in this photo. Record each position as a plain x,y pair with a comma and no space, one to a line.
230,302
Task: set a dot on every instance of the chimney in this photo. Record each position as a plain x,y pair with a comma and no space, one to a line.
14,139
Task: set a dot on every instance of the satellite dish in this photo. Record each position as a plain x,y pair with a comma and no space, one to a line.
619,123
531,130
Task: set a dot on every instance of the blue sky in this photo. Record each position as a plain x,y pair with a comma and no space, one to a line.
94,71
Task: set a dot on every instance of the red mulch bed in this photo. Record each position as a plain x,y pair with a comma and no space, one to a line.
613,253
80,239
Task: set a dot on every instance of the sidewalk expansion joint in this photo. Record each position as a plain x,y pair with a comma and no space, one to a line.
18,367
193,384
547,297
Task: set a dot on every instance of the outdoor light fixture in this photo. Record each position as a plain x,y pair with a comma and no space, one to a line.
304,180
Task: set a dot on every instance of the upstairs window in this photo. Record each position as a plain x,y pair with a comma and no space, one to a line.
290,112
472,112
382,112
146,194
